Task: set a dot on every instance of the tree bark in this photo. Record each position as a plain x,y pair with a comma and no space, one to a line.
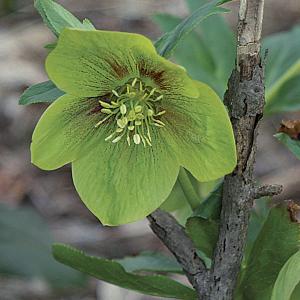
245,101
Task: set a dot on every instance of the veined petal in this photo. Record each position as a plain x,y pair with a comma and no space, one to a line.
171,79
61,131
202,131
121,183
92,63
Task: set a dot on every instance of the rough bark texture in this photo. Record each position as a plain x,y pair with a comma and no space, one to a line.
173,235
245,101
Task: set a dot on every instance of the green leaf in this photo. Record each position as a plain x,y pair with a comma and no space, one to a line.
287,279
292,145
25,249
216,34
112,272
150,261
283,71
258,217
203,227
276,242
210,208
192,54
57,18
204,234
200,53
166,44
41,92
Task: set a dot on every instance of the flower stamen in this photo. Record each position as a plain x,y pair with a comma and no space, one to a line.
134,110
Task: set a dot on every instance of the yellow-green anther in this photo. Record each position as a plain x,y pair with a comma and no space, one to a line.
150,112
106,111
152,92
159,122
133,110
139,116
121,123
109,137
138,108
159,98
115,93
105,104
131,115
117,139
134,82
123,109
160,113
131,127
137,139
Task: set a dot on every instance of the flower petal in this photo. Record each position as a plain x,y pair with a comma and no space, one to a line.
121,183
171,78
92,63
203,134
60,132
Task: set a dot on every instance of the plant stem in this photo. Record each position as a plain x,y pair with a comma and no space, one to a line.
245,101
188,188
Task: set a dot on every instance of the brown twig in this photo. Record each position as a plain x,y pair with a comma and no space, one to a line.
245,101
173,235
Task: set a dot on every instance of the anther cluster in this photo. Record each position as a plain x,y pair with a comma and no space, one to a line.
133,109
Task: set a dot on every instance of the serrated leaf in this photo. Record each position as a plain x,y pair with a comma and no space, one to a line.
287,279
292,145
112,272
282,71
25,249
41,92
167,43
276,242
57,18
150,261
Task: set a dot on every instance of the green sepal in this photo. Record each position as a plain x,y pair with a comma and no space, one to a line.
122,184
203,134
63,131
101,55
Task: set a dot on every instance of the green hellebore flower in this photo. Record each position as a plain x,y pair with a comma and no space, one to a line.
128,121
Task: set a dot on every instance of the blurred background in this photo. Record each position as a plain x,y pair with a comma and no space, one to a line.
38,207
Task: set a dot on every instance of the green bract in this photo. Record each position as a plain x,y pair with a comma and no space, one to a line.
128,121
